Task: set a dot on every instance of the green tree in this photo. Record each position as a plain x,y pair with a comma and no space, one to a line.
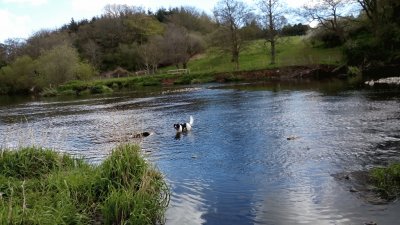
19,76
57,66
376,38
84,71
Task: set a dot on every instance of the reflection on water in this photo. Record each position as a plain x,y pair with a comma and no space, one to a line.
236,166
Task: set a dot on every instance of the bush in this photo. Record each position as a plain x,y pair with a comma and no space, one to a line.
100,89
19,76
326,38
84,71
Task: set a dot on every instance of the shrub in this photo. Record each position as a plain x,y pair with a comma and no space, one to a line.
84,71
100,89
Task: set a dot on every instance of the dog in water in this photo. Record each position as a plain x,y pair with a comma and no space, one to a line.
182,127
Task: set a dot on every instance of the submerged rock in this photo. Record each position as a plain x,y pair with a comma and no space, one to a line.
141,135
292,137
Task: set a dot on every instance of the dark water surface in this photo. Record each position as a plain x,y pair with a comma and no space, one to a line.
236,166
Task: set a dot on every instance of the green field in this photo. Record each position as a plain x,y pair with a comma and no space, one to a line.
291,51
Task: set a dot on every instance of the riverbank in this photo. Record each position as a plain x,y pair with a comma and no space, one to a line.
39,186
379,185
110,85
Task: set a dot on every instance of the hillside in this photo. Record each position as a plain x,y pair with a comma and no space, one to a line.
293,51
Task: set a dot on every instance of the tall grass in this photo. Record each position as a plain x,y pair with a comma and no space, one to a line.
387,180
39,186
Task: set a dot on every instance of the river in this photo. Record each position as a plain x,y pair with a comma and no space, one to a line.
237,165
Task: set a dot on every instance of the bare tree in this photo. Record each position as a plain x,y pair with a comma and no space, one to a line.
175,44
3,55
12,48
273,19
117,10
151,54
370,7
380,11
231,15
92,52
179,45
328,13
44,40
195,45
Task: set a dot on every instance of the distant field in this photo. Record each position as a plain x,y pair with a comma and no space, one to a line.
291,51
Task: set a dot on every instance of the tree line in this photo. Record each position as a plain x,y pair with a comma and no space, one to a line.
132,38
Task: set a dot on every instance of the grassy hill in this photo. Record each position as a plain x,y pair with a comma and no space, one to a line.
291,51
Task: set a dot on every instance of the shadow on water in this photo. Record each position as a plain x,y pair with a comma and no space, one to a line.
332,87
238,164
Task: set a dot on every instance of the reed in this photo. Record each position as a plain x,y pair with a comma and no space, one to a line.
40,186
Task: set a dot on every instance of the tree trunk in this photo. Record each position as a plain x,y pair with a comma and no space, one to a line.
273,51
235,59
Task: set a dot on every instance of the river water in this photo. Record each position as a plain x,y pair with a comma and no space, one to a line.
237,165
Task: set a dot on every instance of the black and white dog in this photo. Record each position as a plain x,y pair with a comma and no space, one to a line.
181,127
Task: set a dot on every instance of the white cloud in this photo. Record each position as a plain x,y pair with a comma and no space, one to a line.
13,26
295,3
96,6
30,2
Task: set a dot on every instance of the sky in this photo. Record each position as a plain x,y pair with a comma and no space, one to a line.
22,18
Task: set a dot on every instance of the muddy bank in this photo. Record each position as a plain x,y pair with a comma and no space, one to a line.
377,72
361,184
311,72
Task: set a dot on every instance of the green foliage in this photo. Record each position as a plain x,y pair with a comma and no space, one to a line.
42,187
57,66
84,71
19,76
376,41
353,71
100,89
387,180
295,30
52,68
321,37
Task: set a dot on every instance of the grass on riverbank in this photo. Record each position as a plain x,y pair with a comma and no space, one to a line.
40,186
387,180
209,67
291,51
